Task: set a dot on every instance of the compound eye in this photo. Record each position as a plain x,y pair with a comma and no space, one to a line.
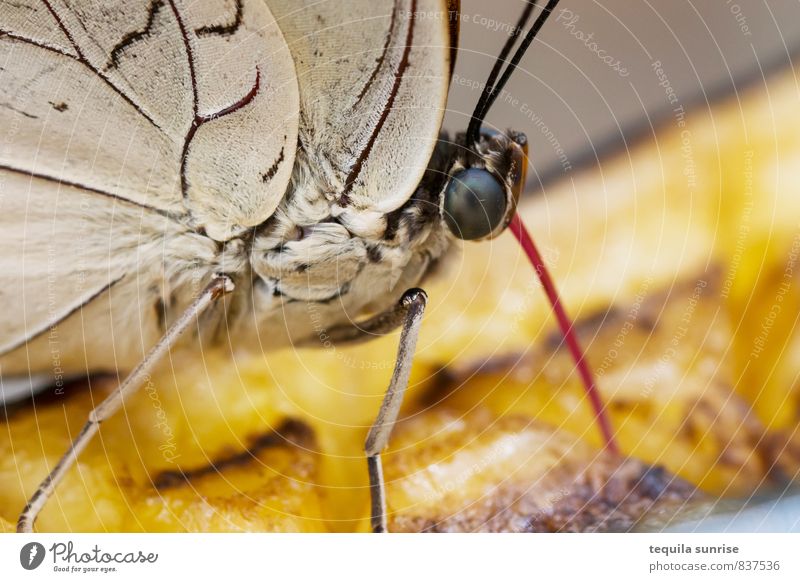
474,204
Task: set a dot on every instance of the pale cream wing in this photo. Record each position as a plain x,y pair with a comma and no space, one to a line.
373,77
189,107
84,276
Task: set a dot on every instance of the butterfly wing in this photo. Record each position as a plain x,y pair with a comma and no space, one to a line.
373,86
81,276
187,107
126,129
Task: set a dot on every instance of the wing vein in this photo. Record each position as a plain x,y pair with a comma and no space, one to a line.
83,60
189,56
34,42
344,199
380,60
87,188
50,324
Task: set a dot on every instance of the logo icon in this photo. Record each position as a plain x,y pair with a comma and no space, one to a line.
31,555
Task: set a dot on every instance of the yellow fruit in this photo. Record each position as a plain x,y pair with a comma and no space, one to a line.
477,472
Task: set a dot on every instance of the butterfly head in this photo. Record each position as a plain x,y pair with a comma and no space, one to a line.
479,199
485,181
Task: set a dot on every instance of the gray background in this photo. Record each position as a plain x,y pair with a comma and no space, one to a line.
590,108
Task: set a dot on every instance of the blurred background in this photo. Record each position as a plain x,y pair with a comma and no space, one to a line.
603,71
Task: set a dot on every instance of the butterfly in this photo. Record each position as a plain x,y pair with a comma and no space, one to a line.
216,166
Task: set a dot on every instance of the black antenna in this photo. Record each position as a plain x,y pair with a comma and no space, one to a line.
490,91
474,123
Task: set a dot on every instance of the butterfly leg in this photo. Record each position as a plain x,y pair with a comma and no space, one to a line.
221,285
412,307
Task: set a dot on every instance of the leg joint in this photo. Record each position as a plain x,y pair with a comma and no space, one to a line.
414,297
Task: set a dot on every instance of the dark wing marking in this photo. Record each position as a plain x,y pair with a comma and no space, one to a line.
136,35
18,111
379,61
224,29
274,168
344,200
